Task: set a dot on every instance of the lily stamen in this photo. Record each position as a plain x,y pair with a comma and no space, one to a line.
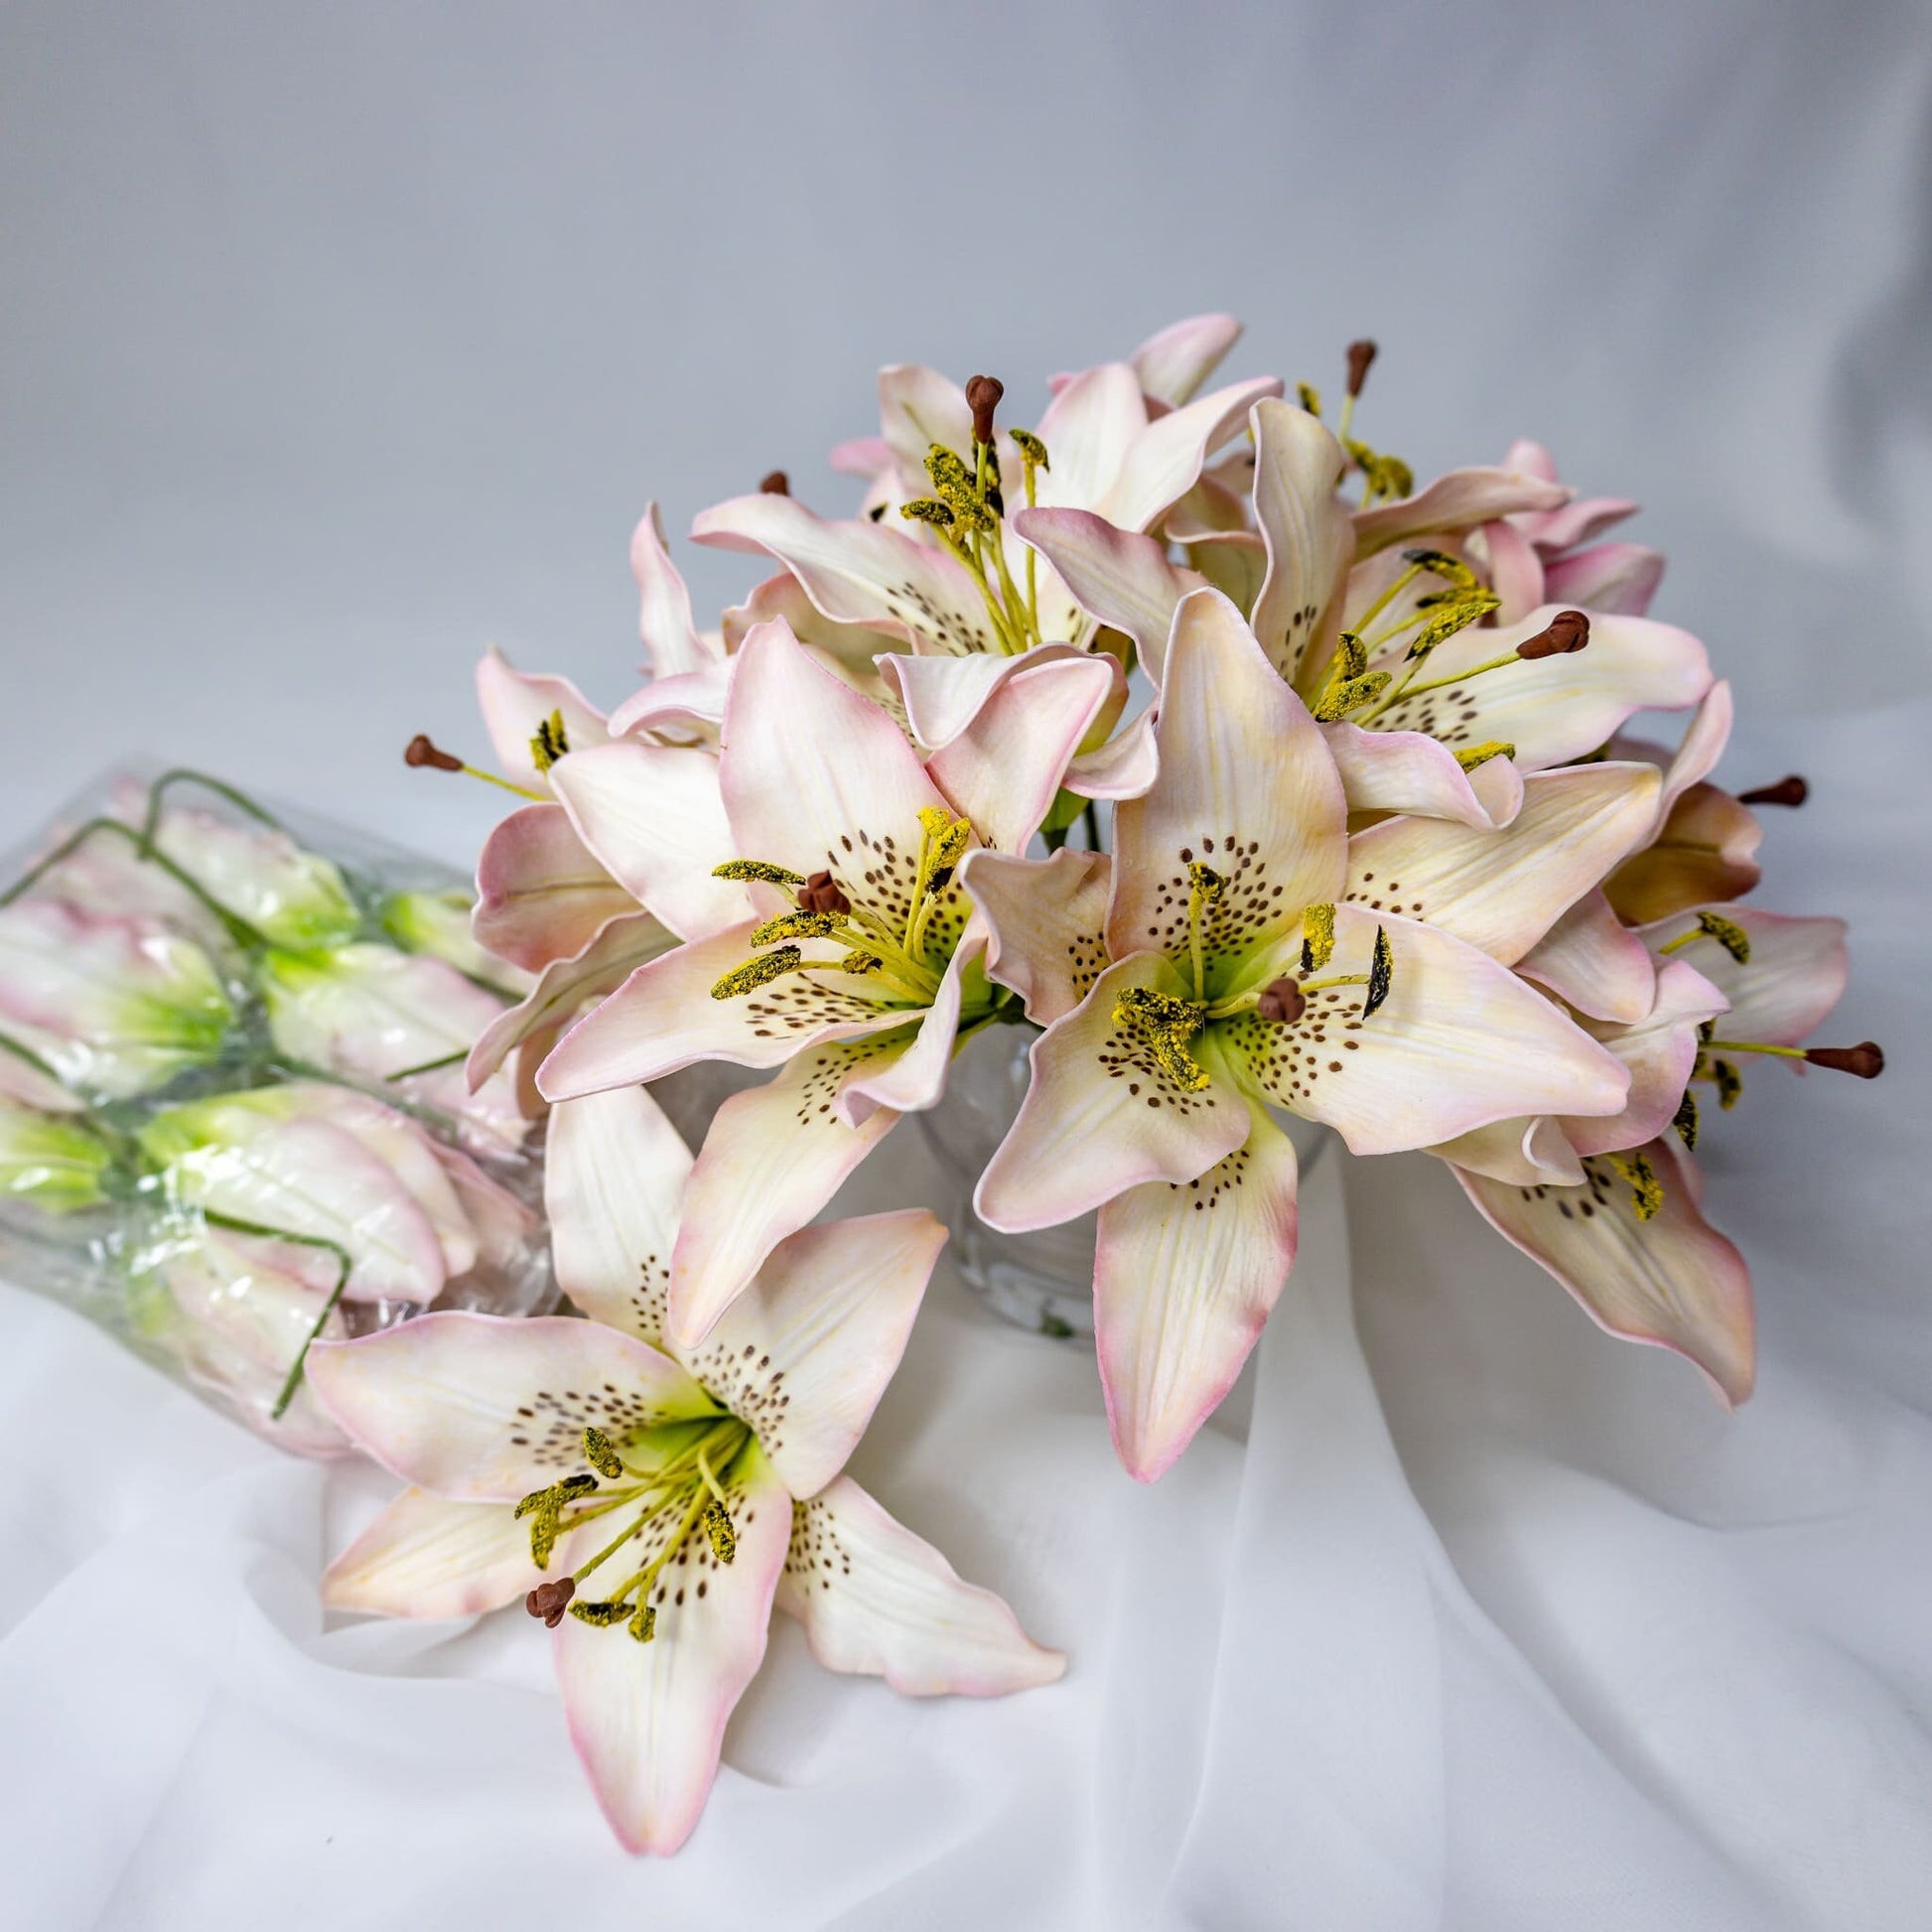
423,750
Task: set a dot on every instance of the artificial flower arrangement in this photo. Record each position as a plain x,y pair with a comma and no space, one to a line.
1183,733
234,1116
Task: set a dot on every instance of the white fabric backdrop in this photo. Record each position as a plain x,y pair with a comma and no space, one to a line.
341,340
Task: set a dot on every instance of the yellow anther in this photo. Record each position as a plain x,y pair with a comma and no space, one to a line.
600,1454
718,1527
1166,1026
927,509
1381,973
644,1625
1387,476
1438,563
1455,613
758,870
794,925
1351,658
1031,447
1490,748
757,972
861,963
1646,1190
1350,694
1318,938
1685,1120
1728,934
550,742
601,1616
544,1508
1310,397
1205,883
1729,1083
953,484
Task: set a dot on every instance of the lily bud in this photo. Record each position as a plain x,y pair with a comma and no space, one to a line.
983,396
291,897
1567,631
1866,1060
53,1163
1360,355
1787,792
821,893
774,483
438,924
1280,1002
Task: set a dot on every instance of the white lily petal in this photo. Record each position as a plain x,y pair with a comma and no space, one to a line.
1659,1050
1458,1042
1102,1115
480,1408
878,1600
1185,1274
1046,924
673,645
1116,577
1173,363
427,1557
1503,890
1164,460
648,1719
614,1183
540,895
1525,1152
1405,772
653,817
1593,960
1306,528
1125,767
1781,995
773,1157
1617,578
1458,500
805,1352
1246,786
918,407
1672,1280
515,704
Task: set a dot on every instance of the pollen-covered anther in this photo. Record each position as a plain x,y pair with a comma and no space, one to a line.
1685,1120
1381,973
774,483
717,1528
819,893
861,963
983,393
761,971
794,925
1350,694
1646,1190
927,509
756,871
1729,1084
1453,613
423,749
1318,938
1310,397
1728,934
1207,881
601,1453
1438,563
1567,631
1792,791
1351,658
953,484
1031,447
1166,1026
549,742
1472,755
1866,1060
1361,357
550,1600
1280,1002
643,1623
601,1616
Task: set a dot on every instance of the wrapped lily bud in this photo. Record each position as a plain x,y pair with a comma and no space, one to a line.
105,1004
401,1023
291,897
53,1163
438,923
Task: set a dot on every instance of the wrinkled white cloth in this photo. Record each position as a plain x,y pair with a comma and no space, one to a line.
342,339
1491,1622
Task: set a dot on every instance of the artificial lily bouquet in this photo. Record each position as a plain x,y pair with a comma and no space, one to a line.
1183,734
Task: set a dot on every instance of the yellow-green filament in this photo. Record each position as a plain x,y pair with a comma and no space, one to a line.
1726,933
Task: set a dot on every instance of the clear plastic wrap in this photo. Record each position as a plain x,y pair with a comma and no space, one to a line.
233,1111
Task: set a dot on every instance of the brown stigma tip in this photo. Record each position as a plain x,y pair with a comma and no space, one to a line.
1360,355
774,483
550,1600
983,396
1567,631
821,893
1280,1002
1866,1060
423,749
1787,792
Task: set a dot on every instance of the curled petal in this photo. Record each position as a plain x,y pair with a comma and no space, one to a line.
1047,924
540,895
1593,960
517,706
1305,526
673,648
1409,772
1458,500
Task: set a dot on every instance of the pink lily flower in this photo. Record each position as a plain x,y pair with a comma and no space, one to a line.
653,1503
1245,953
1426,708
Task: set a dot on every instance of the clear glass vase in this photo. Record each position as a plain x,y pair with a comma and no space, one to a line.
1041,1281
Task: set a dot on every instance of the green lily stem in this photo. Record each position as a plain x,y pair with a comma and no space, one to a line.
343,1264
184,775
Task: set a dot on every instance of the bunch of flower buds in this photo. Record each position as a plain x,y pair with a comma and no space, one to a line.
231,1097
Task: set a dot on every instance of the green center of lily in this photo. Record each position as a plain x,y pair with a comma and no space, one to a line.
665,1486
